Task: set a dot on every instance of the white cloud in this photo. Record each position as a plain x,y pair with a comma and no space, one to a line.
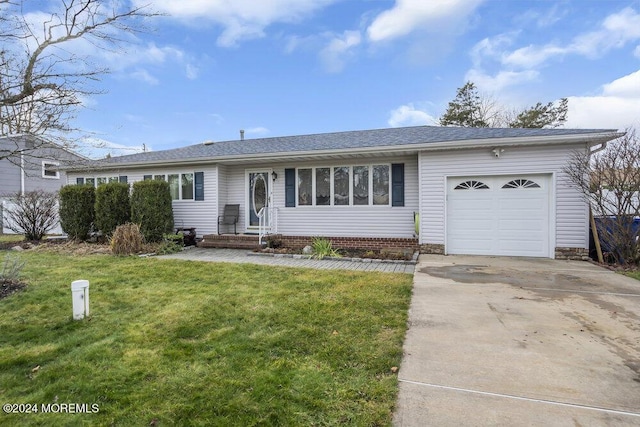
240,19
409,115
98,148
543,19
139,56
408,16
192,71
501,80
144,76
532,56
491,47
615,32
608,112
335,55
142,54
259,130
617,107
624,87
514,67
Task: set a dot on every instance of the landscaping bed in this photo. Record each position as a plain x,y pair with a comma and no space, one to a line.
9,287
389,254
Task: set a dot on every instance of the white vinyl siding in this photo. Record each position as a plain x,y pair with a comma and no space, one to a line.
354,220
570,219
348,221
187,213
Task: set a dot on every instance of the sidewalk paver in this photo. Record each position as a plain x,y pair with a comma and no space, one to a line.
244,257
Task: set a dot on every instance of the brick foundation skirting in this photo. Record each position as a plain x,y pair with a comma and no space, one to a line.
432,248
576,254
367,243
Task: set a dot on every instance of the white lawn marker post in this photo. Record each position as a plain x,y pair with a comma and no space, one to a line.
80,297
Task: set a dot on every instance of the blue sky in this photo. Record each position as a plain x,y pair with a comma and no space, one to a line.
284,67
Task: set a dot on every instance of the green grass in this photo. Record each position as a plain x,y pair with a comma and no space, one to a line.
634,274
11,238
189,343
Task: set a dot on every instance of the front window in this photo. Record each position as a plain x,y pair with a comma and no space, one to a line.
341,185
381,185
323,186
187,186
305,187
174,186
361,185
366,185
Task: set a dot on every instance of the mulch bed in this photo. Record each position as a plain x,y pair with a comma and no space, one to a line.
353,253
10,287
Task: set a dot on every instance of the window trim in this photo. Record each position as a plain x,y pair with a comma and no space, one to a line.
46,163
180,198
471,184
520,183
112,178
332,168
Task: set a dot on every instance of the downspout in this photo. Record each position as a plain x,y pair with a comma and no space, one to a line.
22,180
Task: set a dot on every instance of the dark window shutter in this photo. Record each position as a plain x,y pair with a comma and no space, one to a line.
397,184
147,177
199,184
123,178
79,181
290,187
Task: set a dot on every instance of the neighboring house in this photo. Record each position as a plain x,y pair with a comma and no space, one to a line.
29,163
475,190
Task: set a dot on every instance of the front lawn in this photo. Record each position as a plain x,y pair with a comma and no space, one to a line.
11,238
186,343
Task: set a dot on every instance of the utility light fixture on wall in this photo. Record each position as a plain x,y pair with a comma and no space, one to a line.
497,151
274,176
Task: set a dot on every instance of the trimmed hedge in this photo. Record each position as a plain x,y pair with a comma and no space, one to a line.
151,208
112,206
77,210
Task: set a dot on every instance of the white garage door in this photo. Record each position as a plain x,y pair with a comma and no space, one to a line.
498,215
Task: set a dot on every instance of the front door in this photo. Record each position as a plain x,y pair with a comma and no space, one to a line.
259,192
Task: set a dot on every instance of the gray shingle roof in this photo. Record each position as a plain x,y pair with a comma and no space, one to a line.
350,140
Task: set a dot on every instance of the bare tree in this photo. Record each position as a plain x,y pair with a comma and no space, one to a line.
43,78
610,182
33,213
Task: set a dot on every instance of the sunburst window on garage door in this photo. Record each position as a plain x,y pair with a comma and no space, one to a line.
521,183
472,185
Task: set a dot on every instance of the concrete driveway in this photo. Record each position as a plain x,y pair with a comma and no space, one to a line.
520,342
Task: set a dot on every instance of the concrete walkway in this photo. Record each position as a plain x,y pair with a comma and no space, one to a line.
520,342
243,256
